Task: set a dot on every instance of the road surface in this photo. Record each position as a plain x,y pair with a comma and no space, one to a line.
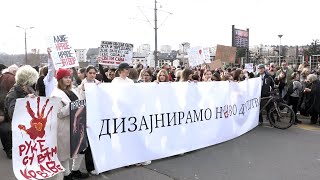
262,154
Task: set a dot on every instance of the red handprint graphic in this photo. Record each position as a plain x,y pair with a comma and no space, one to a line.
37,123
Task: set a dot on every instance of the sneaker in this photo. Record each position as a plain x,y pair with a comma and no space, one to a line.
144,163
79,175
94,172
69,177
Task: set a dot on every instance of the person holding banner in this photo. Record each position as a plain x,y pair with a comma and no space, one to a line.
67,94
207,76
141,78
216,76
25,78
186,75
162,76
91,73
145,76
237,75
178,75
123,71
134,75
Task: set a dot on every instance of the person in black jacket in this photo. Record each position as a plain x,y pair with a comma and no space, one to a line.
267,84
40,87
313,102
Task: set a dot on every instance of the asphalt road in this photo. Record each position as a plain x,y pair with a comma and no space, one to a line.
263,154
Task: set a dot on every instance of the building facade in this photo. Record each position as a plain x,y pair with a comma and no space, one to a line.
165,49
81,54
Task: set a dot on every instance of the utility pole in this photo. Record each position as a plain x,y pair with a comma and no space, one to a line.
25,42
247,49
155,34
183,53
155,27
25,46
280,36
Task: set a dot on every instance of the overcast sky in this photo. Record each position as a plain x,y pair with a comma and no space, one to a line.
200,22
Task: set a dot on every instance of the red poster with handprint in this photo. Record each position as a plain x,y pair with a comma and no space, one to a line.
34,136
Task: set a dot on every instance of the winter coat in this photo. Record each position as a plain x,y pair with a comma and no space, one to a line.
41,88
297,87
81,90
15,93
63,123
267,85
314,100
7,81
288,73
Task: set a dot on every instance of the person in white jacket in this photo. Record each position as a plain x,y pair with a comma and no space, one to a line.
67,94
123,70
91,72
49,80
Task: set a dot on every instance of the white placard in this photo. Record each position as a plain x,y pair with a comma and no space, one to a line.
114,53
248,67
63,55
195,56
206,53
34,137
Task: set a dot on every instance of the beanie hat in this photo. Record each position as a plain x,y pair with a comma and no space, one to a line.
62,73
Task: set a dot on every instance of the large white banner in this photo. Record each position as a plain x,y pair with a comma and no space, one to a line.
133,123
34,138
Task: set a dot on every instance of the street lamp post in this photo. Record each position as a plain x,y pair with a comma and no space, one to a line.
25,41
280,36
183,44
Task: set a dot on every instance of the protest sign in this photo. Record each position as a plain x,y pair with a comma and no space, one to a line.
206,53
216,64
167,119
226,53
63,55
195,56
114,53
78,124
34,138
248,67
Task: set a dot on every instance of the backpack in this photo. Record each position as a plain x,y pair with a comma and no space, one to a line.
290,89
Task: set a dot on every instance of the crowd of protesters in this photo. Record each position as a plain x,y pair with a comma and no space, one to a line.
299,86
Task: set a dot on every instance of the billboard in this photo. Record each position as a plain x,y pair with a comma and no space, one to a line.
240,38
